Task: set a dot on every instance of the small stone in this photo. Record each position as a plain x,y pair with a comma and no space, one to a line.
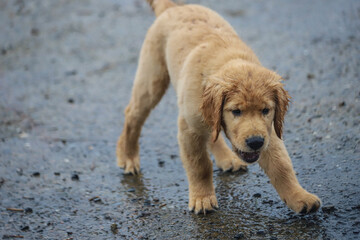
28,210
75,177
161,163
260,232
273,238
25,228
268,202
71,101
114,228
56,173
35,174
257,195
131,190
96,199
19,171
310,76
342,104
156,200
239,236
328,208
23,135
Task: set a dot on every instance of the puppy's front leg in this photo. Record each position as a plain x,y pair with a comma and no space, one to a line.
198,168
277,165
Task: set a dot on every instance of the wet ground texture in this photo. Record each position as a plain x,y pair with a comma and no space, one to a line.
66,71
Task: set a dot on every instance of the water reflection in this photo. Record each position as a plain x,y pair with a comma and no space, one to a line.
244,216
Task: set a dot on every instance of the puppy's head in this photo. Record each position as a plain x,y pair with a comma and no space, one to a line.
246,101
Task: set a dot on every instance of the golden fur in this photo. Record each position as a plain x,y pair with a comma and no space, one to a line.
220,84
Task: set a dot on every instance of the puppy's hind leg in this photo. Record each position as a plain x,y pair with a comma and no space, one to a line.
225,158
151,82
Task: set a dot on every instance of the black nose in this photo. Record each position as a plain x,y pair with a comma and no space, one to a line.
255,142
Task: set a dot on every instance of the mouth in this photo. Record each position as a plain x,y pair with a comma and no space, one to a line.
249,157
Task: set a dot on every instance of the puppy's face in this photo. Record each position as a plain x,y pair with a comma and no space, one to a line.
247,122
246,102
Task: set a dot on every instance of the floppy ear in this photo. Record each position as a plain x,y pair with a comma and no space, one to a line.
282,99
213,99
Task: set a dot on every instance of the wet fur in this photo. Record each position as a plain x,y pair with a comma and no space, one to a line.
213,73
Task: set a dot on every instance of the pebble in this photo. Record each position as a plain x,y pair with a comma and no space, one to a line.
268,202
261,232
114,228
28,210
161,163
56,173
75,177
35,174
131,190
19,171
328,208
96,200
257,195
342,104
310,76
25,228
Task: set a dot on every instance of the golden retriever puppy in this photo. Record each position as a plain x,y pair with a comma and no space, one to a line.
220,85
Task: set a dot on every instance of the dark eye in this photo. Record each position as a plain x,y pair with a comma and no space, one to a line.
265,111
236,112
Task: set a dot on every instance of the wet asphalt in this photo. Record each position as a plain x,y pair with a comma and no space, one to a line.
66,72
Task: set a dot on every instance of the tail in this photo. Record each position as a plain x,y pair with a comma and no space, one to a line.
159,6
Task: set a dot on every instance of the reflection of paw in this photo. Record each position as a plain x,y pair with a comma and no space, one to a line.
231,163
130,165
203,204
303,202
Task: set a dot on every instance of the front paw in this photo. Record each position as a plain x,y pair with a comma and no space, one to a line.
303,202
203,204
231,163
131,165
